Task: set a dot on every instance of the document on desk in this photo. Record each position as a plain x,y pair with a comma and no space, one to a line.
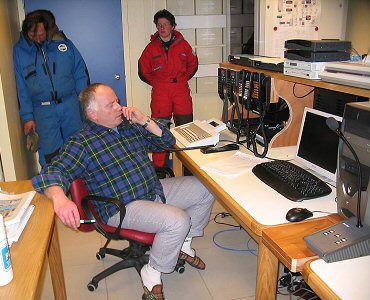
14,232
233,166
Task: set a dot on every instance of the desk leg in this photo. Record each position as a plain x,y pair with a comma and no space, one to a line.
267,274
178,168
56,267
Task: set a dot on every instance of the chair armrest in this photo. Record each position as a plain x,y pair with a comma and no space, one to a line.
116,202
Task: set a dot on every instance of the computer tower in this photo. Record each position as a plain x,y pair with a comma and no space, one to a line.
356,129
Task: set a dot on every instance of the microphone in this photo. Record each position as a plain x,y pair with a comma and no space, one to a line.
334,125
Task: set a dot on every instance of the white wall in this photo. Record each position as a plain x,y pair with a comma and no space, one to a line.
138,27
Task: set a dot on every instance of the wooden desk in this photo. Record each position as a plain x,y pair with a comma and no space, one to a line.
285,243
248,200
37,247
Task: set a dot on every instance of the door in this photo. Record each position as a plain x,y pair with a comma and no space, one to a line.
95,27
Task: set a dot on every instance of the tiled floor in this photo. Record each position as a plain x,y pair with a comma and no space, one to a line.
230,275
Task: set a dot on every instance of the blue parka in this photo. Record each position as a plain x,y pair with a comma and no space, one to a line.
49,78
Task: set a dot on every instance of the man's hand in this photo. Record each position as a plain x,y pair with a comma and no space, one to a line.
134,115
65,209
28,126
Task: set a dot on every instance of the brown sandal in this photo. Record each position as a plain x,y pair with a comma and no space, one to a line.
195,261
155,294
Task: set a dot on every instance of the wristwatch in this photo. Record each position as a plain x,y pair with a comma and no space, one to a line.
147,122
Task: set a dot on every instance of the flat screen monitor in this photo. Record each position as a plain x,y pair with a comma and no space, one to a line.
318,144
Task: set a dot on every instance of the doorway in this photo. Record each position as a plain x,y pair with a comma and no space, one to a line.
95,27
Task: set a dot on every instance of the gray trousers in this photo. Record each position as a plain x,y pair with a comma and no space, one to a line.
185,213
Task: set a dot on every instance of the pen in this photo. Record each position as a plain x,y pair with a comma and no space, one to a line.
87,221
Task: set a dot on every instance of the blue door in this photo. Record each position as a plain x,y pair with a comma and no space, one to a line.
95,27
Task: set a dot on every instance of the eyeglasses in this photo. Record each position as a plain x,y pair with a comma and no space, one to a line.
164,25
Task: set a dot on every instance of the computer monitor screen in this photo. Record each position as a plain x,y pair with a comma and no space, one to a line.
318,144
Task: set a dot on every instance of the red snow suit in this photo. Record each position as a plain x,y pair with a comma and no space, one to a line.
168,73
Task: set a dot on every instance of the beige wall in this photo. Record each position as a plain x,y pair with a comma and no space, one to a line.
138,26
15,160
358,25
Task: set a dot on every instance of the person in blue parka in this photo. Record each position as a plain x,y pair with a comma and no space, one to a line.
50,74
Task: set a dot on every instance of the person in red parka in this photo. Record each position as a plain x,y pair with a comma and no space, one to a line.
167,63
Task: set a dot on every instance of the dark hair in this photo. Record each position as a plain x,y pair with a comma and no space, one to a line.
164,13
39,16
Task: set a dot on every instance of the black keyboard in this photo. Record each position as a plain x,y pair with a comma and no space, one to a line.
291,181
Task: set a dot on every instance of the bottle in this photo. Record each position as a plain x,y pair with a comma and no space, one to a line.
6,270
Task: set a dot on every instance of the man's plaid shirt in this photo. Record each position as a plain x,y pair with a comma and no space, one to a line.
111,164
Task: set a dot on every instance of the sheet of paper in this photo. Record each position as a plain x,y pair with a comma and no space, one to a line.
16,230
234,165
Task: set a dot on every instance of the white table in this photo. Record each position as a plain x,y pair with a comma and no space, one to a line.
347,279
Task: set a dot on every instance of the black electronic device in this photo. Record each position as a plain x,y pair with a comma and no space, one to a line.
290,180
235,83
215,149
333,102
260,62
298,214
318,45
350,238
223,92
341,241
356,129
310,56
222,83
261,91
258,103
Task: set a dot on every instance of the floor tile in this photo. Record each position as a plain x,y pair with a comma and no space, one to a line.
229,275
74,242
77,278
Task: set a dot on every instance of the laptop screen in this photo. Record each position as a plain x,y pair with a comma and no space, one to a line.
318,144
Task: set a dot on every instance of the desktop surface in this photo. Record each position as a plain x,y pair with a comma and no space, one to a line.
263,204
37,246
348,279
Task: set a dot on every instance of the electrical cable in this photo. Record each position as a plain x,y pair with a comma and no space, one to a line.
252,251
321,212
238,228
224,215
300,97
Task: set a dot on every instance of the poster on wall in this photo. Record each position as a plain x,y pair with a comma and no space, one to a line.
294,19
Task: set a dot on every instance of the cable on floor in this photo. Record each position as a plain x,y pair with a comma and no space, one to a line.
237,228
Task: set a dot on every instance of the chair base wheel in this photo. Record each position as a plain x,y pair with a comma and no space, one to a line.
180,269
180,266
100,256
92,286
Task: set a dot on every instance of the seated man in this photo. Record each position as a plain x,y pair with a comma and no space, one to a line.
110,154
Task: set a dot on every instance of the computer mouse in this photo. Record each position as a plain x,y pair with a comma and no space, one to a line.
298,214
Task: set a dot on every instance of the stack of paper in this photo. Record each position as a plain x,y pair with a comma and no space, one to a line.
234,165
16,210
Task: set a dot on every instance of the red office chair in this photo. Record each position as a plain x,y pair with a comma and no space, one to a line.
139,242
